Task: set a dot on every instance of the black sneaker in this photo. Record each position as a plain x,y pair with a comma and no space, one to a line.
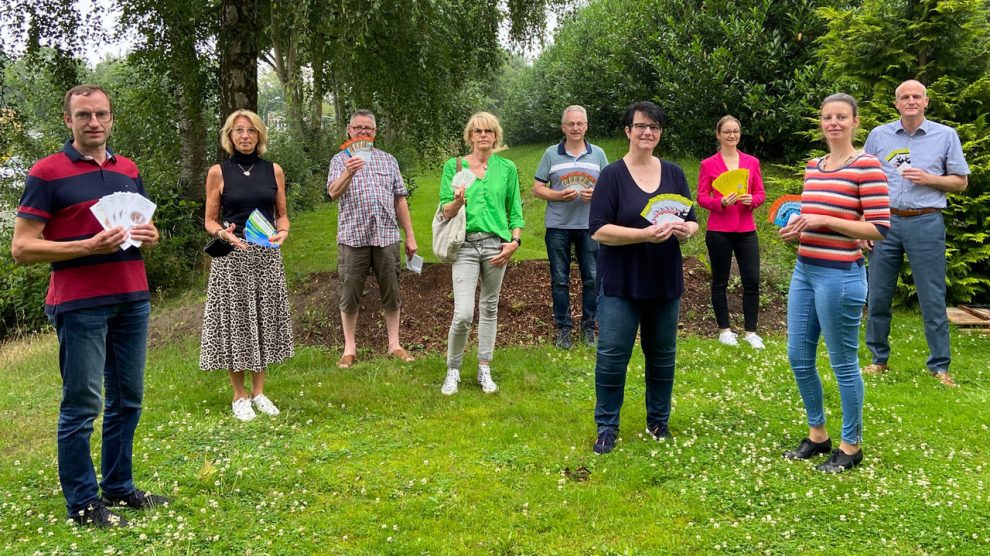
589,336
658,431
138,499
97,515
807,449
840,461
563,339
606,441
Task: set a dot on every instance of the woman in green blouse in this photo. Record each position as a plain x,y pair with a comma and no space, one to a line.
494,224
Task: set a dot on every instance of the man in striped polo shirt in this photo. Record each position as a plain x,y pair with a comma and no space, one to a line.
923,161
565,179
99,302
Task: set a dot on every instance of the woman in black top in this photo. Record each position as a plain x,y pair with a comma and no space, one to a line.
639,272
246,323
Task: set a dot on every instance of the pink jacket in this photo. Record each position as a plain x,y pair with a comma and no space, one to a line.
738,217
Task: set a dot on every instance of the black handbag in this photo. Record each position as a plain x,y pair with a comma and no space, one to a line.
217,247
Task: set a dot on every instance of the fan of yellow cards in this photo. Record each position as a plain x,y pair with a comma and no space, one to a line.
733,181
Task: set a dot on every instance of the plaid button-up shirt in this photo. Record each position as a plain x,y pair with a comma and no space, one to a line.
367,207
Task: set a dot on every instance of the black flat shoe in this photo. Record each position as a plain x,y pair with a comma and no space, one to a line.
840,461
807,448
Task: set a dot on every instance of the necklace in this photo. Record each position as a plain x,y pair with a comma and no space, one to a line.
248,171
828,159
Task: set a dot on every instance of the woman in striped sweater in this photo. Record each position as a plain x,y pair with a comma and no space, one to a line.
844,200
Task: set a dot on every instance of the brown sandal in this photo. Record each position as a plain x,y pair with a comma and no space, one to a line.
403,355
346,361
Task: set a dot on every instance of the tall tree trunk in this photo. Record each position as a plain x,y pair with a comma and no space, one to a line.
192,124
319,88
238,46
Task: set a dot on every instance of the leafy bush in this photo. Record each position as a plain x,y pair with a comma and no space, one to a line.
754,59
870,50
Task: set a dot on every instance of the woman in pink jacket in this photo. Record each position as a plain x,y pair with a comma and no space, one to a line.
731,229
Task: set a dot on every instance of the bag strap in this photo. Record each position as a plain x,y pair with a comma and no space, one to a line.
459,166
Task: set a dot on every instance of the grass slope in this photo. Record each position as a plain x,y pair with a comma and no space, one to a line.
374,460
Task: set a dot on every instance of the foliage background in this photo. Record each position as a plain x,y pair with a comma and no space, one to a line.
425,66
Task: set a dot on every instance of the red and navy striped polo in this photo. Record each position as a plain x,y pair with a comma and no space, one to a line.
59,191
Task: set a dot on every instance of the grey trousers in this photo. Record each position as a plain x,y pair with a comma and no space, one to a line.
474,262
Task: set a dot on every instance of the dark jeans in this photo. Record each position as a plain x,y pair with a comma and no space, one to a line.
922,239
559,242
619,318
100,347
721,246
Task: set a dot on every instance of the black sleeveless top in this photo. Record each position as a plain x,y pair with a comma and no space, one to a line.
244,193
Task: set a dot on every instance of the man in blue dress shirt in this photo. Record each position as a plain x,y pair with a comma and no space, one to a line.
923,161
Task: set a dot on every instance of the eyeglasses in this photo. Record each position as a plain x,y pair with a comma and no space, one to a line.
84,117
241,130
575,124
731,132
363,129
643,127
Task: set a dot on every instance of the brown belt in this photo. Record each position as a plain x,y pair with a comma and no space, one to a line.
908,213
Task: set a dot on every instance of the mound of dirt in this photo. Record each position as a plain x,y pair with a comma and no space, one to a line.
525,314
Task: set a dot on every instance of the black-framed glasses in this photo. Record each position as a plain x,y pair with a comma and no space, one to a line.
655,128
103,116
363,129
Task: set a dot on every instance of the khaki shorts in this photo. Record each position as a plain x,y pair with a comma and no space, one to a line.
353,264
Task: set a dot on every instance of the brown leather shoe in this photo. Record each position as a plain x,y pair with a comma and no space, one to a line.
346,361
875,368
945,379
402,355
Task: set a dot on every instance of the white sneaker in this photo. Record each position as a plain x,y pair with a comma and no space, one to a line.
728,338
754,340
242,409
449,387
485,379
265,405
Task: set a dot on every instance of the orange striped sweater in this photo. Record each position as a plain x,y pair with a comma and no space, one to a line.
857,191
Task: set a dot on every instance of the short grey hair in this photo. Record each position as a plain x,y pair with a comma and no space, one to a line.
842,97
363,112
573,108
897,91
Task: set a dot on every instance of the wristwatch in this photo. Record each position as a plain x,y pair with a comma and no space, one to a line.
518,241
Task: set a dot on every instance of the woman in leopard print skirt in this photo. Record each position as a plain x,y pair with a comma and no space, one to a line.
246,324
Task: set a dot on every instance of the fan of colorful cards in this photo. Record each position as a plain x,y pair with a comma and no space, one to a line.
785,208
667,207
258,230
126,209
578,181
733,181
359,146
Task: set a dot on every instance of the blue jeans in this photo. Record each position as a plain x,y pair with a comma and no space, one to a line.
827,301
559,242
619,318
100,347
922,239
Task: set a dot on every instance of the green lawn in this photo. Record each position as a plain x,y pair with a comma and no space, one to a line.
374,460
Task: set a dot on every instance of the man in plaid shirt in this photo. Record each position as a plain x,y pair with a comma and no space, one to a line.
372,207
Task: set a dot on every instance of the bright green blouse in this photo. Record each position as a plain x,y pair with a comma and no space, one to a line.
493,202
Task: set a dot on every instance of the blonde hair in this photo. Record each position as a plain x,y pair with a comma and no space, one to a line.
228,145
484,120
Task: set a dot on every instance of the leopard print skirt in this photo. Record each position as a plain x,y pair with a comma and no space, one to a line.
246,323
